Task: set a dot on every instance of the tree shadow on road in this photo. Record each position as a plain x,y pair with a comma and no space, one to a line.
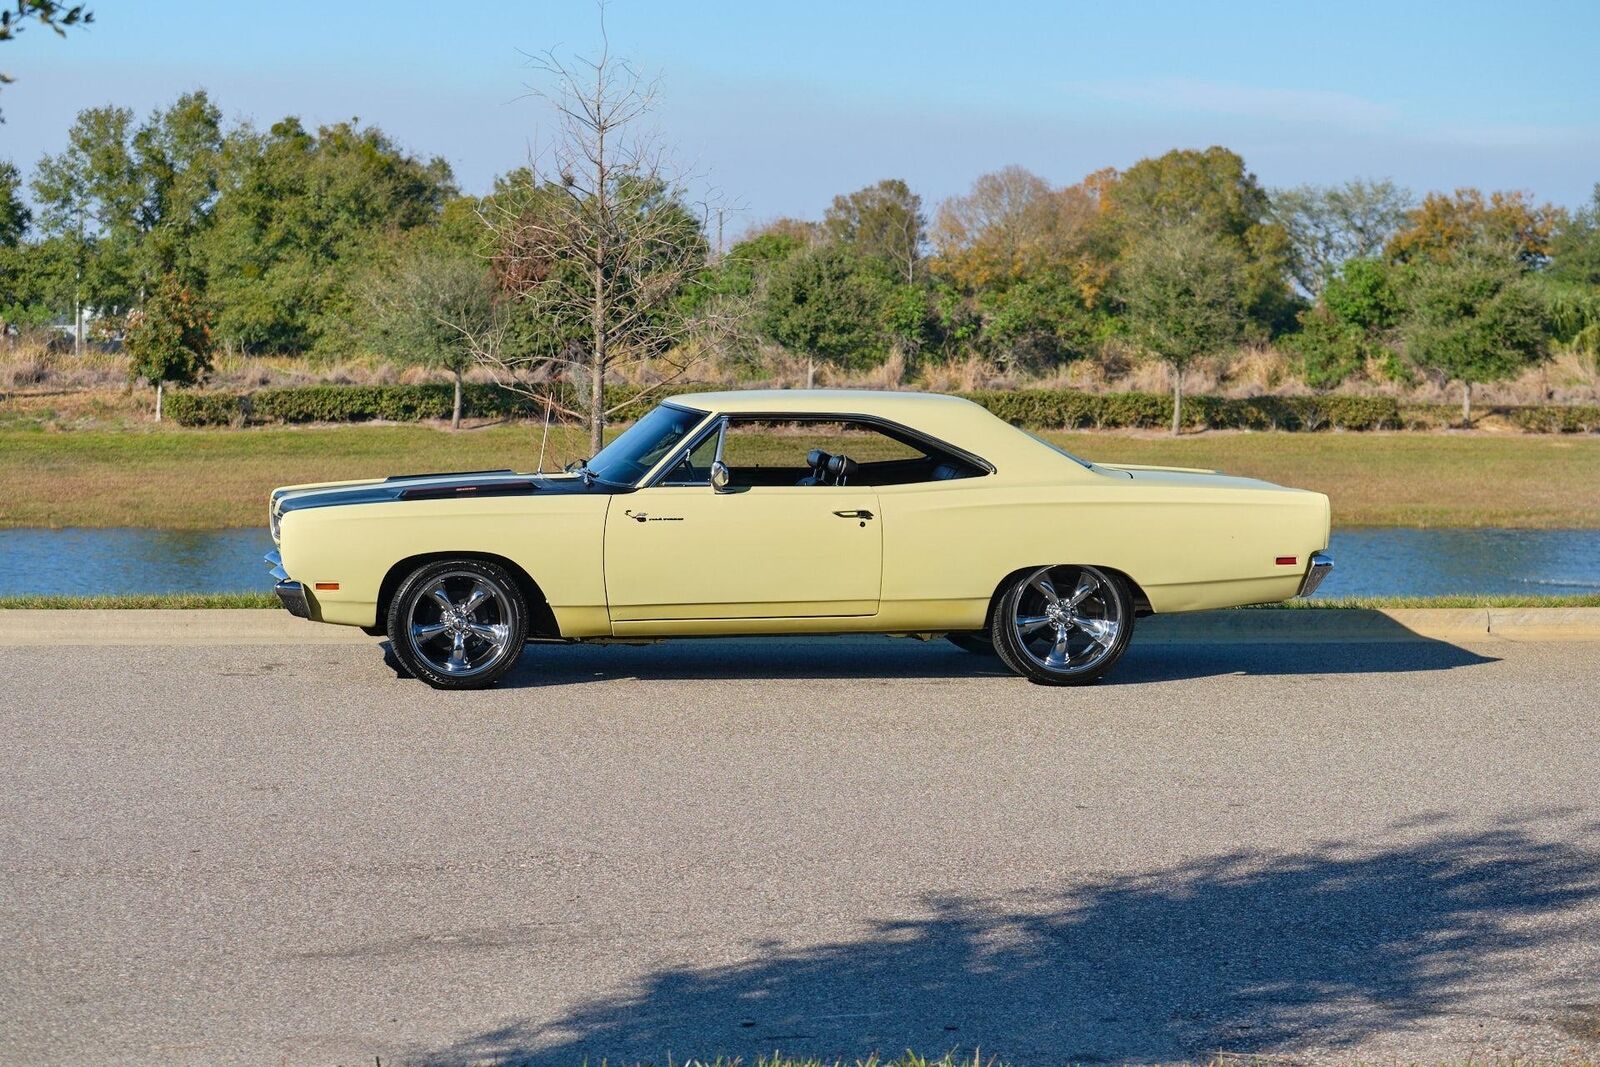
1246,953
888,658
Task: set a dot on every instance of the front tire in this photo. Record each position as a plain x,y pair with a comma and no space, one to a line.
1063,625
458,624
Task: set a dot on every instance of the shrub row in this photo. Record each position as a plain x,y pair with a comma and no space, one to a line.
1564,418
1068,409
394,403
1050,409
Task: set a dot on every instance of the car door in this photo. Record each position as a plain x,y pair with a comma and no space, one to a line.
686,551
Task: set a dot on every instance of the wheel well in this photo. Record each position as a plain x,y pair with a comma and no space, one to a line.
1141,603
541,620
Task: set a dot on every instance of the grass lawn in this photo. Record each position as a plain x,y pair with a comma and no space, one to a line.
200,479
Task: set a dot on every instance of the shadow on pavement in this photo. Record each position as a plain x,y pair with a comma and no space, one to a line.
881,657
1243,953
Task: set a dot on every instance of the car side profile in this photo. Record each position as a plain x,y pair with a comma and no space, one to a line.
793,512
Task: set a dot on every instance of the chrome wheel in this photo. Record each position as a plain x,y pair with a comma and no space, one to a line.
461,624
1067,619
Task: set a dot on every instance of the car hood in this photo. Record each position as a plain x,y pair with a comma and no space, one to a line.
458,485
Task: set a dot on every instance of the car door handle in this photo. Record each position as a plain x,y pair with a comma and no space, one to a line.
861,513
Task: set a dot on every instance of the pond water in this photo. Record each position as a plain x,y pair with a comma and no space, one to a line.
1368,562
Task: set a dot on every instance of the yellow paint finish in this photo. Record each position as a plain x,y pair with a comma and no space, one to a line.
778,560
556,539
762,551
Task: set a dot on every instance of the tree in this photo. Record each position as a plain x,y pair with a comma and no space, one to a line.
819,305
883,222
169,338
1575,248
596,243
1211,190
1443,227
1011,225
177,162
89,196
15,15
434,307
14,220
296,215
1180,287
1473,319
14,213
1572,281
1354,319
1328,225
1038,322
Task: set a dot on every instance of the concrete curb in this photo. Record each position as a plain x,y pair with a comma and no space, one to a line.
1373,625
244,626
212,626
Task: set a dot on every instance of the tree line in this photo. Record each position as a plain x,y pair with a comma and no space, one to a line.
175,235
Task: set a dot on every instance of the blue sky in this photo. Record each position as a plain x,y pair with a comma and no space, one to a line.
781,105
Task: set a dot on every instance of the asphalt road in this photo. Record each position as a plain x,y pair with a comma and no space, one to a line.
286,855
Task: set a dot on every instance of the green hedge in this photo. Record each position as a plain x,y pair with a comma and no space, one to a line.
393,403
1064,409
1048,409
1564,418
204,408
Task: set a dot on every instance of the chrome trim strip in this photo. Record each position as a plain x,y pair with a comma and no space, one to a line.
1321,565
723,418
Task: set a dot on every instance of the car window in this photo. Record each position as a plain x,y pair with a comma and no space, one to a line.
695,467
775,451
644,444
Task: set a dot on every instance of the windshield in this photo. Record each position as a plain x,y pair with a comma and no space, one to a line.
1057,448
642,445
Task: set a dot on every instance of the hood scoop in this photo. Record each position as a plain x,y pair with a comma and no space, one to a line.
497,487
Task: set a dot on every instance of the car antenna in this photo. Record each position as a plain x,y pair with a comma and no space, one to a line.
546,436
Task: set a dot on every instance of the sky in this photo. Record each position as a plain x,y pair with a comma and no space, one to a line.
775,107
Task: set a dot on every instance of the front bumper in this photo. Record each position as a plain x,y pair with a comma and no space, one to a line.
1321,564
290,593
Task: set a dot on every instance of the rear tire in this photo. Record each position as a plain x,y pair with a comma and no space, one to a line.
1063,625
458,623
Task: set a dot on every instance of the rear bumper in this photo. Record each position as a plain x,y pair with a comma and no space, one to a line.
290,593
1321,564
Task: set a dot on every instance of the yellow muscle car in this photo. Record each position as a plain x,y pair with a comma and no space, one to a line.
901,513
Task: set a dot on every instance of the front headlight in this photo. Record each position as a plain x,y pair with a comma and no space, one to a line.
272,522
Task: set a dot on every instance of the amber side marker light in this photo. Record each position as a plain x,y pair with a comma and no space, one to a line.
1283,561
335,585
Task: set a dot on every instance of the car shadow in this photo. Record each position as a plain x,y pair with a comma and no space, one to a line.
1428,928
800,658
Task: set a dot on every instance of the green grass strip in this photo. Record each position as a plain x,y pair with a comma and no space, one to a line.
142,602
1488,601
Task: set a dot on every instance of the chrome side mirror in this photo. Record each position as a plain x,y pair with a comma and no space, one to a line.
720,476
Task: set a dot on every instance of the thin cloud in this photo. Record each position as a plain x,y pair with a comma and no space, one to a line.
1188,96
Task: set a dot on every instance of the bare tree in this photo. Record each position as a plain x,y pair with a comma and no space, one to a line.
595,242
